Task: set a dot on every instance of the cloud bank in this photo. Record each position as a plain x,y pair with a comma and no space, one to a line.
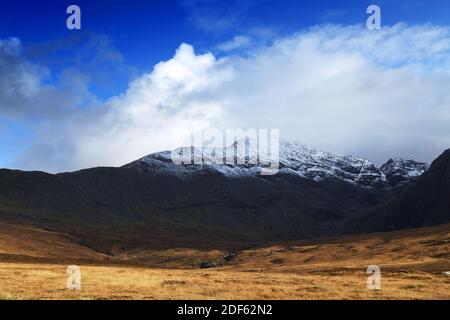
343,89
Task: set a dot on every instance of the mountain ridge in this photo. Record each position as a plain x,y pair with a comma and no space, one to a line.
116,209
405,211
294,158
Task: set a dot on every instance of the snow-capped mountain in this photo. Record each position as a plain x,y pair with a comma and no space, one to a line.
241,159
400,172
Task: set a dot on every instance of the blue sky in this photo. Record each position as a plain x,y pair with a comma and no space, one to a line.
146,32
121,41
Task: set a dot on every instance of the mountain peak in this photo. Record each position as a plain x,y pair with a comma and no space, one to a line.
295,158
400,172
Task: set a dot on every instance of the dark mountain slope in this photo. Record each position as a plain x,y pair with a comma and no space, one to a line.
425,203
106,207
112,209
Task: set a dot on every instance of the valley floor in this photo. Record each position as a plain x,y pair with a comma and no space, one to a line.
413,263
41,281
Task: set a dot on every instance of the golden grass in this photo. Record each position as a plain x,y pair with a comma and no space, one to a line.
38,281
33,265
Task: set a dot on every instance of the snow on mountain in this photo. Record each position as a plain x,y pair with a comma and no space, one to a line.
319,165
241,159
400,172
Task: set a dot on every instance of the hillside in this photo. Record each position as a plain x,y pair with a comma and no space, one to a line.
412,263
425,203
120,209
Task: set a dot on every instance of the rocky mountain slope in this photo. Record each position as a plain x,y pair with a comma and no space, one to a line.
294,159
400,173
425,203
155,203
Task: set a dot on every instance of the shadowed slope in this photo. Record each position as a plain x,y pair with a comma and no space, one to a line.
425,203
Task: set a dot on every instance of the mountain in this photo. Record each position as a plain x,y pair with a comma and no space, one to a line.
294,159
425,203
400,173
154,203
113,208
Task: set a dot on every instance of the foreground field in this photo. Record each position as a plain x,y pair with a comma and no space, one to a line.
32,281
33,265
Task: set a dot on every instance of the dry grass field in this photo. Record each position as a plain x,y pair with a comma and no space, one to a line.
43,281
33,265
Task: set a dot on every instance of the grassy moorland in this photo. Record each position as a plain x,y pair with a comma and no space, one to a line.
33,265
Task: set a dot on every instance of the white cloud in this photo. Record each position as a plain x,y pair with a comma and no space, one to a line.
238,42
19,80
345,89
158,111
